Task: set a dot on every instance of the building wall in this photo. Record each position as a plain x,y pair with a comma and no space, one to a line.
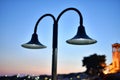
116,55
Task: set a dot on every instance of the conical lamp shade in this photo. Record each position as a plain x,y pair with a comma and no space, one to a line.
33,43
81,38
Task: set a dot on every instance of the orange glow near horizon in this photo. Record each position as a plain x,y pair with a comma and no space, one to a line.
37,71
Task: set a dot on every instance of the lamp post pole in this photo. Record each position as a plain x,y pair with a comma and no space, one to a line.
81,38
55,51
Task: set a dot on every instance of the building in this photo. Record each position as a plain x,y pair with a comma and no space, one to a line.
114,67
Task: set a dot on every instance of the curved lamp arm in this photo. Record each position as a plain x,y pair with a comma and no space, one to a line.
45,15
81,38
80,16
34,42
74,9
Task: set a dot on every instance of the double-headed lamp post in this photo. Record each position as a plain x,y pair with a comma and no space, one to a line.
81,38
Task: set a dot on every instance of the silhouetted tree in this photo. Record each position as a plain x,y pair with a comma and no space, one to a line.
94,64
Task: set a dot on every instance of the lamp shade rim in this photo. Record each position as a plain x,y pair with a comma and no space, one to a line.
81,41
33,46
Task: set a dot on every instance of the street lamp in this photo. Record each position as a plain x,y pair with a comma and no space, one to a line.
81,38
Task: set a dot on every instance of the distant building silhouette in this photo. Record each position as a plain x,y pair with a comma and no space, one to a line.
114,67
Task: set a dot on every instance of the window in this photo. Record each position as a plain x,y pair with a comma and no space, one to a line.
118,49
114,49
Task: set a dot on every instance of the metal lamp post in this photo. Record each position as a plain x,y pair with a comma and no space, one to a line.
81,38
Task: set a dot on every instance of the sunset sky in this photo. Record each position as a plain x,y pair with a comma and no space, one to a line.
101,19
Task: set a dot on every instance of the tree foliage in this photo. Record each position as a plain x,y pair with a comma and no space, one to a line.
94,63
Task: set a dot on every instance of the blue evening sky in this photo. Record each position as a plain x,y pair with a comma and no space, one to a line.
101,19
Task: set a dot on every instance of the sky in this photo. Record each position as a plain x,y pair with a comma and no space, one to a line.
17,20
